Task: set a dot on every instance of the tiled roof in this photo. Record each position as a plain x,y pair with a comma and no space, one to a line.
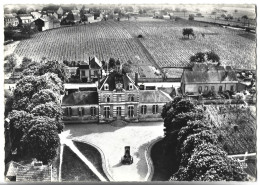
9,16
208,76
81,98
33,173
153,96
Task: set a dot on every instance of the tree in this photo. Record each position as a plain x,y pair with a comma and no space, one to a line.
198,57
18,125
112,63
212,56
210,163
49,109
25,62
22,11
202,57
187,31
177,9
126,68
244,17
184,10
42,139
11,61
56,68
191,17
31,69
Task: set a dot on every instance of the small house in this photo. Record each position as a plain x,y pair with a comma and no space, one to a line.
10,20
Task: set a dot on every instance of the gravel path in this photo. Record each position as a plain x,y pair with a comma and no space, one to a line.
112,140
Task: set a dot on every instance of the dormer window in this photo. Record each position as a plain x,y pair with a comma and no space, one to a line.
131,87
106,87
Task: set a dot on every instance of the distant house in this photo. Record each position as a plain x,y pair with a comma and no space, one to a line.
47,23
90,18
10,20
205,77
166,17
90,71
36,15
25,18
60,12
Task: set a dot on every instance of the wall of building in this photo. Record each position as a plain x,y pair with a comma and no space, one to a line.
150,116
75,117
194,88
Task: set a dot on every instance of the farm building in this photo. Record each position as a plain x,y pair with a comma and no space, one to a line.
25,18
35,171
115,97
47,23
36,15
90,17
202,78
10,20
60,12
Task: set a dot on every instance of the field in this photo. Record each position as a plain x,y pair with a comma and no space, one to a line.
162,44
237,129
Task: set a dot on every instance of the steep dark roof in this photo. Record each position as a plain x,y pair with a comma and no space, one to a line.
150,96
95,63
81,98
208,76
115,77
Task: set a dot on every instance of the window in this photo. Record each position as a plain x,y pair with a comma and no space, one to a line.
119,98
130,111
220,89
213,88
106,112
206,88
130,86
93,111
200,89
143,109
83,73
118,111
80,111
106,87
107,98
232,88
155,109
131,97
68,111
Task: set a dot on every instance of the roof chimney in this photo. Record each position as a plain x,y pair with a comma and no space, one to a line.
136,79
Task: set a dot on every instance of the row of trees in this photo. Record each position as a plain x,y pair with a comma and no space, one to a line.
194,147
34,111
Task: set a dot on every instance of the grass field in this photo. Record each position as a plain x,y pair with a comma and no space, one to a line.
162,43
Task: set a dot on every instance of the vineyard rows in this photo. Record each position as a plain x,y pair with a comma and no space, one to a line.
162,39
236,142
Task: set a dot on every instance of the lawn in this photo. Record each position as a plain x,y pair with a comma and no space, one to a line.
73,169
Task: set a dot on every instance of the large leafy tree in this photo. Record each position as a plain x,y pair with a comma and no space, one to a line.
202,57
210,163
50,109
11,61
42,139
188,32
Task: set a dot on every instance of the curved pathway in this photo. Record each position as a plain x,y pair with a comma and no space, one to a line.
112,140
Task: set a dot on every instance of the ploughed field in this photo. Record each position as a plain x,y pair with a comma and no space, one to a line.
162,43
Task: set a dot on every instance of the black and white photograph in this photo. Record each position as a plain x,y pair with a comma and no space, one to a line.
114,91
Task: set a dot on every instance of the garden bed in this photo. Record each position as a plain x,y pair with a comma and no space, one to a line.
73,169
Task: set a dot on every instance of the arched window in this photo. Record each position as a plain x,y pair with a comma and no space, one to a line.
107,97
131,87
106,87
131,97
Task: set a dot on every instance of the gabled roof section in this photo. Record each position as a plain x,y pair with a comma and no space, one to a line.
116,77
95,63
80,98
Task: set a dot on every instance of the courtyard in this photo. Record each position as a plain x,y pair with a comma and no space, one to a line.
112,140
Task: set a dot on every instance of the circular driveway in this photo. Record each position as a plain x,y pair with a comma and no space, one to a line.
112,140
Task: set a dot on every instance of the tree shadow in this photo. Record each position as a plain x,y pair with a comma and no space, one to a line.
117,165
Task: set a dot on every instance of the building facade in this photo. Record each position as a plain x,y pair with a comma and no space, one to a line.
202,78
10,20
